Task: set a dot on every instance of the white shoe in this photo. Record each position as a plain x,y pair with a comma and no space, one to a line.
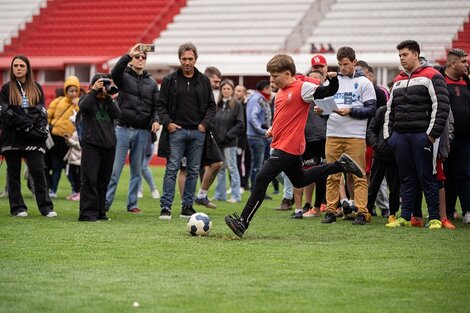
231,200
466,218
140,195
155,194
242,190
52,195
229,191
51,214
22,214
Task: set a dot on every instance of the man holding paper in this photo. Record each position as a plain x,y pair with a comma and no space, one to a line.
346,131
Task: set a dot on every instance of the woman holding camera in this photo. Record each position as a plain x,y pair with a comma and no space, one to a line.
23,135
95,127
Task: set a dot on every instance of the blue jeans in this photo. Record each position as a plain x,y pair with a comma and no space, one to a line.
134,141
147,173
257,148
189,143
230,162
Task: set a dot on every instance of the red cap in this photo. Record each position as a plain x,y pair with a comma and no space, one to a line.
318,60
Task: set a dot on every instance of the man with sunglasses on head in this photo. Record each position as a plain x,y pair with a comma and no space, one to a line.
457,165
138,95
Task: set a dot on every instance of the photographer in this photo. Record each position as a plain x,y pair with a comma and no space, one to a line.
95,127
138,95
23,135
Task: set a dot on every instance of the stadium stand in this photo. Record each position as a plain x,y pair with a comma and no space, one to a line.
377,26
462,39
237,26
78,37
14,15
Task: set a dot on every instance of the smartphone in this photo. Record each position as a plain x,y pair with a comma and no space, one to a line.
147,48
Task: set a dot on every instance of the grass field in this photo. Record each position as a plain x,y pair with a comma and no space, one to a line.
281,265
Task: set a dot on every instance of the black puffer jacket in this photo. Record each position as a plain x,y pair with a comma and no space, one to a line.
22,129
375,138
138,95
419,102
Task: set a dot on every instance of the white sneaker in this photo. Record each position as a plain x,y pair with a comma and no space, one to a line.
242,190
140,195
52,195
466,218
22,214
155,194
229,191
51,214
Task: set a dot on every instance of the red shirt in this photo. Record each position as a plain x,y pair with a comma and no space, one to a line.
290,116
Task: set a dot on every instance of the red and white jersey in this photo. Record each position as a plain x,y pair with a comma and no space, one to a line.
290,115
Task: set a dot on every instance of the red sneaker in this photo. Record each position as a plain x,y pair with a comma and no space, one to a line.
323,208
135,210
416,222
448,224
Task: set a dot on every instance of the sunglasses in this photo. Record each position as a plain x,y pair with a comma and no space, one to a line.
457,52
140,56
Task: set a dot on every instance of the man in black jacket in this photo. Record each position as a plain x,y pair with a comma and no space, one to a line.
138,95
457,166
186,107
415,118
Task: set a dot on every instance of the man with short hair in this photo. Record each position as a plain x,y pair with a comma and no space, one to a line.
287,131
319,64
457,166
138,95
346,132
210,166
415,118
187,108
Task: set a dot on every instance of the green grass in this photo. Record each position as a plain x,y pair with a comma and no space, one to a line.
281,265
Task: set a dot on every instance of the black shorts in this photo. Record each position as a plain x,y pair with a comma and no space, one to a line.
314,153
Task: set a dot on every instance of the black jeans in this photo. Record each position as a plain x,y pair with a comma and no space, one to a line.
389,170
96,170
35,162
291,165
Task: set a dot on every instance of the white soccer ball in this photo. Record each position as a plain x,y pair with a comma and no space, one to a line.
199,224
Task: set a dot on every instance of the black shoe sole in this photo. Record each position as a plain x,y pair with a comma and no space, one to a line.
232,226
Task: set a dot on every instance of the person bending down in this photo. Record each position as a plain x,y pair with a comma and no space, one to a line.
288,140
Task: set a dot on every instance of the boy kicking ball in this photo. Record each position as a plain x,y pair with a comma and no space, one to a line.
288,139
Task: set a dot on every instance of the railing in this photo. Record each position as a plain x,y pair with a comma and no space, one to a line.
303,29
157,19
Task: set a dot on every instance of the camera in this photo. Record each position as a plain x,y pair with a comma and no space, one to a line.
147,48
108,86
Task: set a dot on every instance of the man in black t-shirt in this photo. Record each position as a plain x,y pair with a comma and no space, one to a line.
186,108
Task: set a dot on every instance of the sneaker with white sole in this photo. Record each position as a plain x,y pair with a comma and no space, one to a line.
165,214
155,194
22,214
51,214
140,194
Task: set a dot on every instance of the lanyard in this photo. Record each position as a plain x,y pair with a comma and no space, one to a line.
24,98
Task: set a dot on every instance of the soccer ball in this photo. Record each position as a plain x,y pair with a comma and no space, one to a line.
199,224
